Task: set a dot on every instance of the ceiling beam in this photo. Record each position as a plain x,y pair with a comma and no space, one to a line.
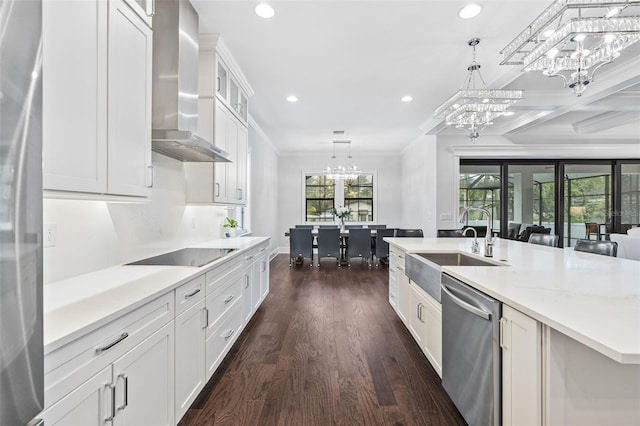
605,121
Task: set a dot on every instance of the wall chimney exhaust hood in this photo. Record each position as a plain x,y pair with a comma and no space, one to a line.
175,85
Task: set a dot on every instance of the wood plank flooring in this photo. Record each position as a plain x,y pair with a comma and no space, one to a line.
325,348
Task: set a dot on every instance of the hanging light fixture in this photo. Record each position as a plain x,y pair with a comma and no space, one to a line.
572,39
337,171
474,107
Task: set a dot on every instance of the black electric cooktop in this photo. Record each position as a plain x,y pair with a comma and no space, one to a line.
185,257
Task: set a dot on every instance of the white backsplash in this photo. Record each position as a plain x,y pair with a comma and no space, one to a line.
95,234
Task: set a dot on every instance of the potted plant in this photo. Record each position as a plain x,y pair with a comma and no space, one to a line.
232,225
342,212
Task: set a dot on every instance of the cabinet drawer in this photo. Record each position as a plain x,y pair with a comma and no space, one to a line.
224,297
189,294
71,365
221,338
219,275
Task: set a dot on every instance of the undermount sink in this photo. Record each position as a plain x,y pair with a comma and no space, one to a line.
454,259
425,268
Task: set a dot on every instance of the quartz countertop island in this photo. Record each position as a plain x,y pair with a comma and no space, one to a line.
591,298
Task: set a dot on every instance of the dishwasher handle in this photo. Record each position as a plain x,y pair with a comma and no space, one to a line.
476,310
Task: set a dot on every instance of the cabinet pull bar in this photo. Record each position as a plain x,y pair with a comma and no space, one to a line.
113,402
228,299
262,249
229,334
502,323
112,344
126,391
217,189
246,281
206,317
193,293
248,258
152,176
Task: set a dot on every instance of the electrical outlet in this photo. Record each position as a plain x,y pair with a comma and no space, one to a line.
50,234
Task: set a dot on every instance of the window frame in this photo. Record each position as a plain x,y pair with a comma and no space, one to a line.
338,198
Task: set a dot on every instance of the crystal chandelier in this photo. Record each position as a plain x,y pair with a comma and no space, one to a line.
337,171
473,108
572,39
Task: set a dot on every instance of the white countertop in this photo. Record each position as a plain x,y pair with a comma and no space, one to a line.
593,299
79,305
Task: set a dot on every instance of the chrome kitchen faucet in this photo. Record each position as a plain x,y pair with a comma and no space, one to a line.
489,241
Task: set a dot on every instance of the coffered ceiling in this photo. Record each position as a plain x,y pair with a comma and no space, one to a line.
350,63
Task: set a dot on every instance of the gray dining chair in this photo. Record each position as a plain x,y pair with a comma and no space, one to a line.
359,245
606,248
409,233
328,226
381,246
544,239
377,226
329,244
304,226
353,226
300,245
450,233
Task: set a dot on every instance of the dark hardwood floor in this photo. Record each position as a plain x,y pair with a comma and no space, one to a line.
325,348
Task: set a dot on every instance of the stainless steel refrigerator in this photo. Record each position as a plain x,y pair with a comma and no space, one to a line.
21,350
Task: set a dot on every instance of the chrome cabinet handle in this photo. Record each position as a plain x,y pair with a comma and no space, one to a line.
248,258
502,324
246,281
228,299
112,344
206,317
264,266
262,249
113,402
217,189
239,191
218,81
126,391
152,176
229,334
193,293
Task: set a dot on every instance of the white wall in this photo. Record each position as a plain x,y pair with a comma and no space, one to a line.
93,235
290,188
419,185
263,185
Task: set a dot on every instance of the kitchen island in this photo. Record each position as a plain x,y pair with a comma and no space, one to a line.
587,310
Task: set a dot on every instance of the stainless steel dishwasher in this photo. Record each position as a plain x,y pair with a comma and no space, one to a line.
471,351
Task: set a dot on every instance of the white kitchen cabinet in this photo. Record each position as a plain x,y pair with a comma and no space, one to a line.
129,102
220,339
521,343
416,312
190,324
144,380
74,119
432,333
88,405
96,98
402,283
264,273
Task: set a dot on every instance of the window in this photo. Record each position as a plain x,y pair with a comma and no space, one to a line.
319,198
480,187
322,194
358,195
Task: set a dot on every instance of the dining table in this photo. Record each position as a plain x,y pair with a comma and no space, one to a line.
344,234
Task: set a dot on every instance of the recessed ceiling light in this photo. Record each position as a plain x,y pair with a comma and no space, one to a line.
469,11
292,98
407,98
264,10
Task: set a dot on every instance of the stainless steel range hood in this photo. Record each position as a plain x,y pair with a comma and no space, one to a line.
175,85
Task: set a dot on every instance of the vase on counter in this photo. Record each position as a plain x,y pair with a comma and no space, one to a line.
342,224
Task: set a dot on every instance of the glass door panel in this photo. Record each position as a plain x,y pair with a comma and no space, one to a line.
630,196
531,200
587,202
480,187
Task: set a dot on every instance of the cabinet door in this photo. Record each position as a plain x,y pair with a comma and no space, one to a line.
416,312
74,115
220,140
247,310
222,80
521,344
88,405
244,106
264,276
233,193
190,351
144,380
241,164
220,339
432,315
129,102
234,95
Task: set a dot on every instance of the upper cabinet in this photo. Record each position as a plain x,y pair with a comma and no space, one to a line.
222,120
96,98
